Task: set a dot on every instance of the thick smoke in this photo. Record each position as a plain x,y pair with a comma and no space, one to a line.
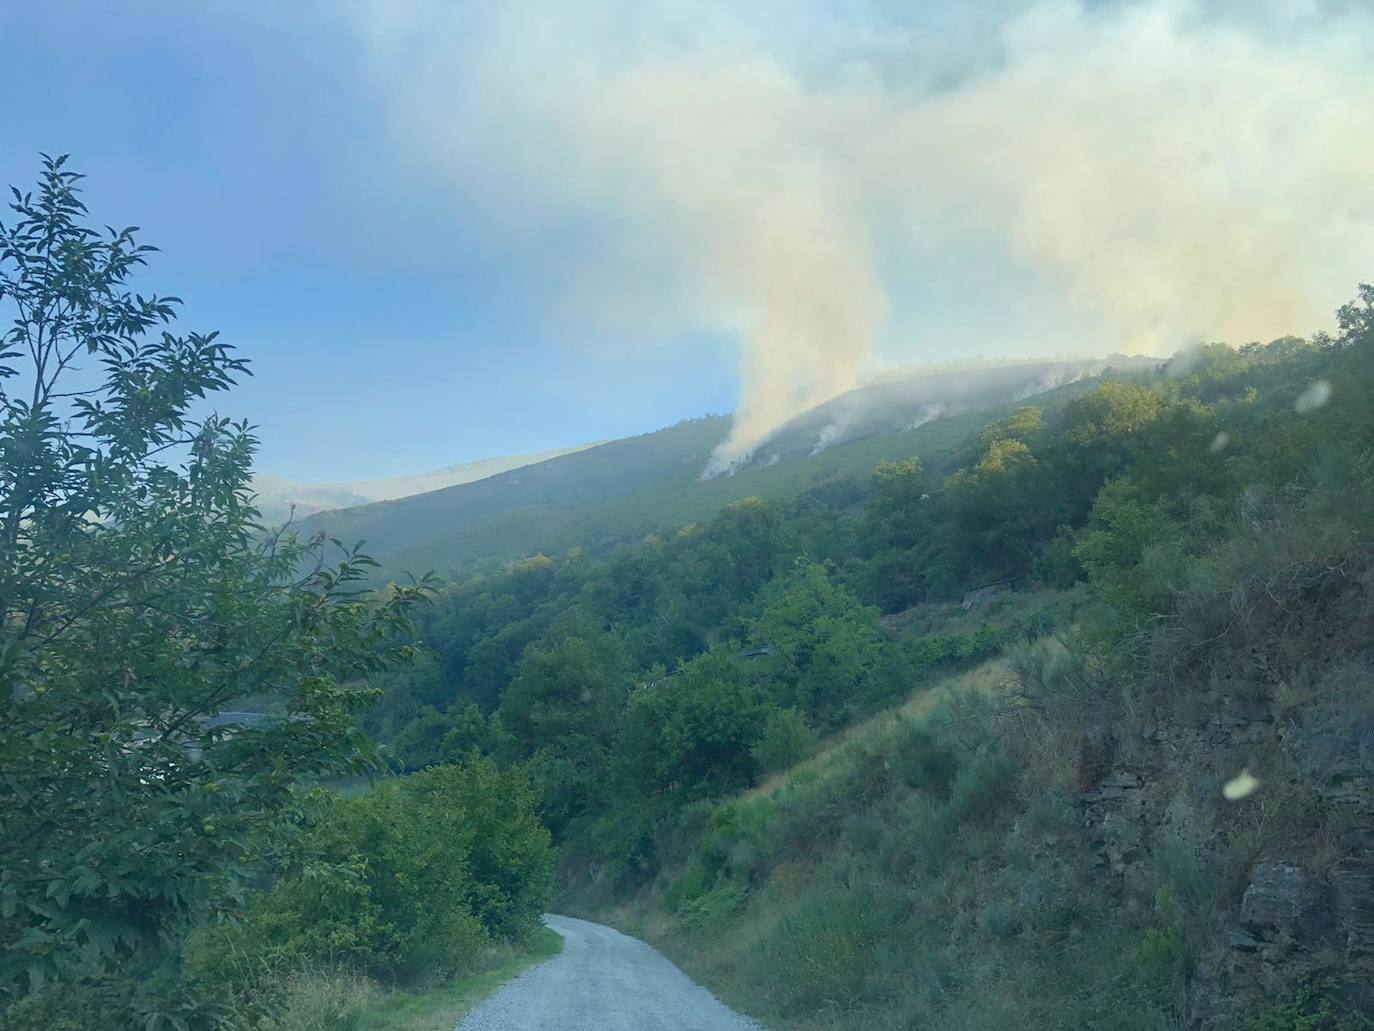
1174,172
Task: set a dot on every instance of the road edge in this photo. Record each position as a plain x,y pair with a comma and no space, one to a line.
444,1006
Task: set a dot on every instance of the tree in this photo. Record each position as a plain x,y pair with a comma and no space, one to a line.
689,734
571,681
1110,414
559,714
893,517
821,644
138,599
1024,425
412,881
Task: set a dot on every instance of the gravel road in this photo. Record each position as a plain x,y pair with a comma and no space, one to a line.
603,981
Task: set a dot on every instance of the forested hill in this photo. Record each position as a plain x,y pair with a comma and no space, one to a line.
277,498
617,492
1069,730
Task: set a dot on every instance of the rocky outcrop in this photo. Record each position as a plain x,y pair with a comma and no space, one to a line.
1284,905
1303,907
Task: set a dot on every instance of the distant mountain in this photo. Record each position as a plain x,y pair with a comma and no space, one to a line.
625,489
277,497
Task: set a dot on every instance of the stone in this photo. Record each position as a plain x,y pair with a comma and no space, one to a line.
1285,901
1352,883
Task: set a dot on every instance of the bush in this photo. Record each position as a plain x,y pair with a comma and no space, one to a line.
409,881
829,950
693,883
786,740
982,786
720,903
930,833
1165,961
737,838
1313,1006
1186,889
998,919
1057,566
921,761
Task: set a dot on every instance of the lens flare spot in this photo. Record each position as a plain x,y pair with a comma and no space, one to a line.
1242,785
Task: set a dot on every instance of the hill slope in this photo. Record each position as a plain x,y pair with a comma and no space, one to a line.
277,497
906,402
620,491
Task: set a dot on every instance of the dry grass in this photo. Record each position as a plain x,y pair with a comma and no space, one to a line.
988,678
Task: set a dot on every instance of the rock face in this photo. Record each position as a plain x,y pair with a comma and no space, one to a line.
1303,906
1352,882
1283,903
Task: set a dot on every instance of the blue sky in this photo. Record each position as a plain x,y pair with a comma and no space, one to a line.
445,230
384,339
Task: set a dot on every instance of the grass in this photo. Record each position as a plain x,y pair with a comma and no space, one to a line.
987,678
440,1008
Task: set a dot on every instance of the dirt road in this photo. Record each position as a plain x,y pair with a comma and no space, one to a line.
603,981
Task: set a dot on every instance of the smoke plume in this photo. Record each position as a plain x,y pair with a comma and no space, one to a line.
1169,170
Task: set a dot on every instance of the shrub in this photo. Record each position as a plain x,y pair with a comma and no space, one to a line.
921,761
998,919
982,786
687,888
408,881
1313,1006
786,740
1186,888
828,951
1057,566
930,832
720,903
1165,960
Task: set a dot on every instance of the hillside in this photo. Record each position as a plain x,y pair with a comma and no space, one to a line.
907,401
620,491
278,498
1124,784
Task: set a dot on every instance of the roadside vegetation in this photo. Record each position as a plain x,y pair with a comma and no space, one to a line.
162,866
337,999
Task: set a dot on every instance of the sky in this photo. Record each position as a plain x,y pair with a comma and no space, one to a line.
446,230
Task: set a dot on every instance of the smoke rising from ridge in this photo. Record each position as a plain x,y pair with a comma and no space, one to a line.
1170,171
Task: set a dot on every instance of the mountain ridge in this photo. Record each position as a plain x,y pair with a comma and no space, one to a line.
278,496
623,490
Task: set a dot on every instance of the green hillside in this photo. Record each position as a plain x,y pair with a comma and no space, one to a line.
1065,729
619,492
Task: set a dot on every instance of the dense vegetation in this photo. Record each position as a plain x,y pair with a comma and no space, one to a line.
1177,543
673,669
139,601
